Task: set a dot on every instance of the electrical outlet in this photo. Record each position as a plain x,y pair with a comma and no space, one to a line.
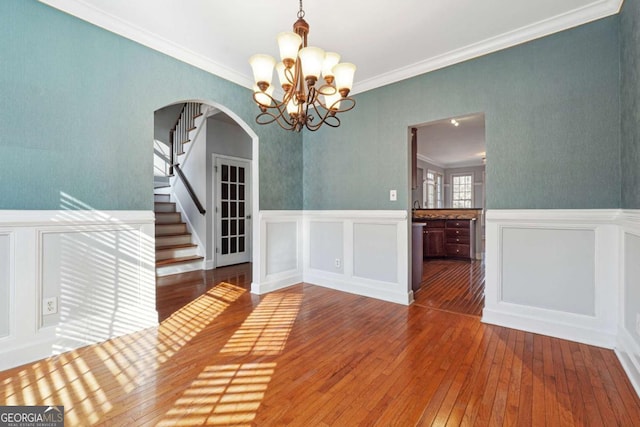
638,323
50,306
337,263
393,195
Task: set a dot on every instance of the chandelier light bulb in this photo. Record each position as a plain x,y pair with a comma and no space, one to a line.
333,101
262,66
331,59
263,98
289,44
344,76
311,59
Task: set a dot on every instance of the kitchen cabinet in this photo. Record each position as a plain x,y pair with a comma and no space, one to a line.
454,238
433,238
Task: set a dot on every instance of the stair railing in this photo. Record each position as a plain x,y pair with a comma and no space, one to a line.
187,185
178,136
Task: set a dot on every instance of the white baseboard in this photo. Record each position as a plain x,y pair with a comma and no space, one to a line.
545,322
276,282
378,290
97,257
628,352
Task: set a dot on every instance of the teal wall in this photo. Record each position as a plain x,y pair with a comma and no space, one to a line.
630,103
552,128
76,116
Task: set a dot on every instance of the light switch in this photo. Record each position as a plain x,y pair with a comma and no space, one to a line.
393,195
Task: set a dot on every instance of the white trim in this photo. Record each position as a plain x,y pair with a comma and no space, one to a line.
473,179
397,291
599,329
576,17
580,16
263,281
429,160
626,348
217,214
572,327
571,216
28,341
17,218
95,16
12,284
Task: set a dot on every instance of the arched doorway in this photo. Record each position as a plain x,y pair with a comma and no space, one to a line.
209,196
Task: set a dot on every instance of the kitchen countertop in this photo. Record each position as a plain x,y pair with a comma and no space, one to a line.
423,214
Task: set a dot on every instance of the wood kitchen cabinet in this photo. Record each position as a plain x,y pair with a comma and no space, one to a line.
433,238
453,238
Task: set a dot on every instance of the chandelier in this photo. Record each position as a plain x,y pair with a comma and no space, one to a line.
305,103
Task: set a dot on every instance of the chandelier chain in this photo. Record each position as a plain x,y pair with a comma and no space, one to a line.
300,12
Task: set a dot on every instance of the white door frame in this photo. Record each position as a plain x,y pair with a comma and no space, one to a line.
249,210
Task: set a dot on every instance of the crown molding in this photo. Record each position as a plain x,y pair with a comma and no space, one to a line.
82,10
574,18
592,12
430,161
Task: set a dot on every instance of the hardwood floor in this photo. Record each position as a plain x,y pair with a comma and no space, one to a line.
310,356
452,285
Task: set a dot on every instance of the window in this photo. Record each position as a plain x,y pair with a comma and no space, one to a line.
462,191
434,190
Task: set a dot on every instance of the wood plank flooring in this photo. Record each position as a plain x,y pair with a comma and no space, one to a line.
310,356
452,285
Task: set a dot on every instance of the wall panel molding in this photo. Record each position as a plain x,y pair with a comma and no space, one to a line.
386,278
100,269
628,344
597,329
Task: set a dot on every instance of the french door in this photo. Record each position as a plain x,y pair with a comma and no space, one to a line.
233,210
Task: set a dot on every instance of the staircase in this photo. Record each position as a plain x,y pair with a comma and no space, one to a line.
175,252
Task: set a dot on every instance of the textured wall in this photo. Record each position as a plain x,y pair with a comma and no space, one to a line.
77,115
629,102
552,128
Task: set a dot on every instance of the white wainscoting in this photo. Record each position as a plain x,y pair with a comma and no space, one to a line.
554,272
360,252
100,267
628,346
279,257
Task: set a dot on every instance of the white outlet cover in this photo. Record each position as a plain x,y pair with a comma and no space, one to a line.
49,306
393,195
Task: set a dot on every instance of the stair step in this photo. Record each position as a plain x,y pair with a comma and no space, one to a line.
176,252
164,207
161,198
181,260
169,229
173,239
168,218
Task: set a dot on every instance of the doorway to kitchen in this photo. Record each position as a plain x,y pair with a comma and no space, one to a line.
448,187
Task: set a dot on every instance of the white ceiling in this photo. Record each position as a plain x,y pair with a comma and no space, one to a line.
387,40
448,146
